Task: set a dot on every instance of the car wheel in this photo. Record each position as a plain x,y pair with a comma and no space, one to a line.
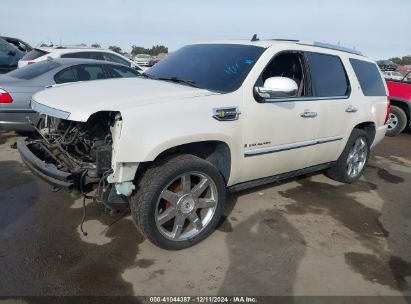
178,201
352,161
397,121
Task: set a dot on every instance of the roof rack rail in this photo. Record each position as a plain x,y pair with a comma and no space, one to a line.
332,47
286,40
322,45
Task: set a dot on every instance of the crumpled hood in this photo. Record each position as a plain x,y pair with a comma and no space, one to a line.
82,99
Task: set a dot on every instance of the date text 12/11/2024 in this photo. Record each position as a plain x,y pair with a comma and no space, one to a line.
200,299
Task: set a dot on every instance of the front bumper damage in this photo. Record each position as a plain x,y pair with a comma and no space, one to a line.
31,151
78,156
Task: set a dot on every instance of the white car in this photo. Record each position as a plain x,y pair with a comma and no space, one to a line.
42,53
393,75
143,59
208,118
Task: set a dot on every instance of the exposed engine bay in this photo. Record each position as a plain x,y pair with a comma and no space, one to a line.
83,149
76,156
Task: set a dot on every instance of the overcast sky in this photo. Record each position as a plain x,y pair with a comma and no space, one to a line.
379,28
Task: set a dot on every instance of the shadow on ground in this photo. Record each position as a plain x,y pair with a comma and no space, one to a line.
41,250
264,242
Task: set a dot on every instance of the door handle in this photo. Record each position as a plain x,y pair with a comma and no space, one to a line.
308,114
351,109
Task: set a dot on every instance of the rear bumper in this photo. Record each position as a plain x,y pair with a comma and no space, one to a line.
47,172
17,120
379,135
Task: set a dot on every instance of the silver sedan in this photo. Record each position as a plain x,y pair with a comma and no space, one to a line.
17,87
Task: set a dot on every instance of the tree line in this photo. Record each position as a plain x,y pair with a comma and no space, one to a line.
405,60
153,51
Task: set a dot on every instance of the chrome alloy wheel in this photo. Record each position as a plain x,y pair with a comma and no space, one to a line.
393,121
186,206
357,157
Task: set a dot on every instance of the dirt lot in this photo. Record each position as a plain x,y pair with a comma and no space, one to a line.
306,236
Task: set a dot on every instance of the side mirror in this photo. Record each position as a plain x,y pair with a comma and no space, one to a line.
11,53
277,87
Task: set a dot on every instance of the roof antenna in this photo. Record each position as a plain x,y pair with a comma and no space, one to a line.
255,38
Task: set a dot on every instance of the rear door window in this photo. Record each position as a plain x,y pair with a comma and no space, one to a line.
121,71
328,76
84,55
34,54
369,77
34,70
81,73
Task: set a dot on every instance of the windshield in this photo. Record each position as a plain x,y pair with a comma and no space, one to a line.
215,67
407,77
34,70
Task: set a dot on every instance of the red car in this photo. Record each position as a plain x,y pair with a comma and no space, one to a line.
400,113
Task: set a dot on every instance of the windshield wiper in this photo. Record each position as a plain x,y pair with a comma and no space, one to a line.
178,80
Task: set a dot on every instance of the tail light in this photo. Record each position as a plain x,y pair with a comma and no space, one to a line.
30,62
387,116
5,97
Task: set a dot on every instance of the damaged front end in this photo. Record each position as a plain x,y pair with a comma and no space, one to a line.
74,156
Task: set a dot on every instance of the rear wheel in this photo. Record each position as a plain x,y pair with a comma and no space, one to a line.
352,161
397,121
178,201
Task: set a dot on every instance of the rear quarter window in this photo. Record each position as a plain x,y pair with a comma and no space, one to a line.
369,77
34,54
116,59
121,71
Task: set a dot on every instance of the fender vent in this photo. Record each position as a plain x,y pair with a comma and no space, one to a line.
226,114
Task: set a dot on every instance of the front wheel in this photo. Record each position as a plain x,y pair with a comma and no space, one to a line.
178,201
352,161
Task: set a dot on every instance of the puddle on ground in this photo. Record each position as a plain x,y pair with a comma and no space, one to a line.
389,178
317,198
337,201
144,263
391,271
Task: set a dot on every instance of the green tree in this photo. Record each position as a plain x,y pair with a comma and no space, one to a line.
115,48
396,60
137,50
153,51
405,60
157,49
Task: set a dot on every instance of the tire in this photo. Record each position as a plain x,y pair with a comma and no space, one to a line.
340,170
397,122
169,213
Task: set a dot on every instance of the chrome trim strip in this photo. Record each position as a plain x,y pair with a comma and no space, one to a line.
293,146
38,107
307,98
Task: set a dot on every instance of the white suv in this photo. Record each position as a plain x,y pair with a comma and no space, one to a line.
42,53
209,117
